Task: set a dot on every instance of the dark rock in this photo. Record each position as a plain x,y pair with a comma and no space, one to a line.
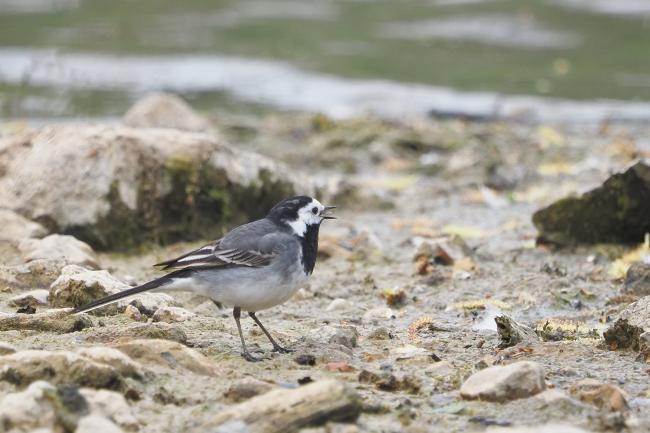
616,212
386,381
512,333
631,323
637,280
305,359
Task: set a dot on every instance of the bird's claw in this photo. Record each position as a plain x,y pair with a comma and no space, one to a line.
250,358
280,349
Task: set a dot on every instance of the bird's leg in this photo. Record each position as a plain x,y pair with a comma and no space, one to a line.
236,312
276,346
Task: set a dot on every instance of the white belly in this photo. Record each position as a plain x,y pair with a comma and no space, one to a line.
251,289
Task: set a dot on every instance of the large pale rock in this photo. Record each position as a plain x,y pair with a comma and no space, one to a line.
16,227
503,383
118,186
111,405
58,320
6,348
31,298
39,273
165,110
113,357
289,410
77,286
168,354
25,367
97,424
59,247
28,409
616,212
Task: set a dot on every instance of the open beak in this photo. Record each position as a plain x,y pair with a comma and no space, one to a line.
325,214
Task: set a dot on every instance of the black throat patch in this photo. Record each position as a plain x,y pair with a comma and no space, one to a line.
309,245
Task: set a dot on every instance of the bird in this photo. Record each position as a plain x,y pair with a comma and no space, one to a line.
253,267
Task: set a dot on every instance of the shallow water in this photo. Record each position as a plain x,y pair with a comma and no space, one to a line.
340,56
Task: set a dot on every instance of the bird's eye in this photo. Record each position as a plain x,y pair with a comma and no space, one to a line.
314,210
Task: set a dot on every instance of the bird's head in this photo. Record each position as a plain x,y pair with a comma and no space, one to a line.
299,213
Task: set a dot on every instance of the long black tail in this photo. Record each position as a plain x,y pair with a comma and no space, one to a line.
158,282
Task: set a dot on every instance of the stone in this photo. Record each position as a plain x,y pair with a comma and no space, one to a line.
172,315
289,410
32,298
59,321
16,227
148,303
380,333
97,424
378,315
39,273
165,110
112,406
77,286
159,330
547,428
637,279
59,247
115,358
124,186
512,333
132,313
346,336
339,304
27,366
633,321
616,212
6,348
168,354
18,409
602,395
503,383
386,381
246,388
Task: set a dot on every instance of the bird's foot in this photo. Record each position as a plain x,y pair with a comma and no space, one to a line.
250,358
280,349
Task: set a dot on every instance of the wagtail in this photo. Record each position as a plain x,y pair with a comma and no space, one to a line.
253,267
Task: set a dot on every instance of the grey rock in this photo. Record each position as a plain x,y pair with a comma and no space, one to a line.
97,424
16,227
165,110
246,388
159,330
503,383
346,336
115,358
77,286
6,348
637,279
289,410
32,298
168,354
59,247
39,273
24,367
17,410
123,186
111,405
59,321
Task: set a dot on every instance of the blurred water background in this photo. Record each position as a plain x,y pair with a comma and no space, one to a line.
576,60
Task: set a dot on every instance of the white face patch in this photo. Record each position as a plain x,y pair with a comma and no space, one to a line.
308,215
